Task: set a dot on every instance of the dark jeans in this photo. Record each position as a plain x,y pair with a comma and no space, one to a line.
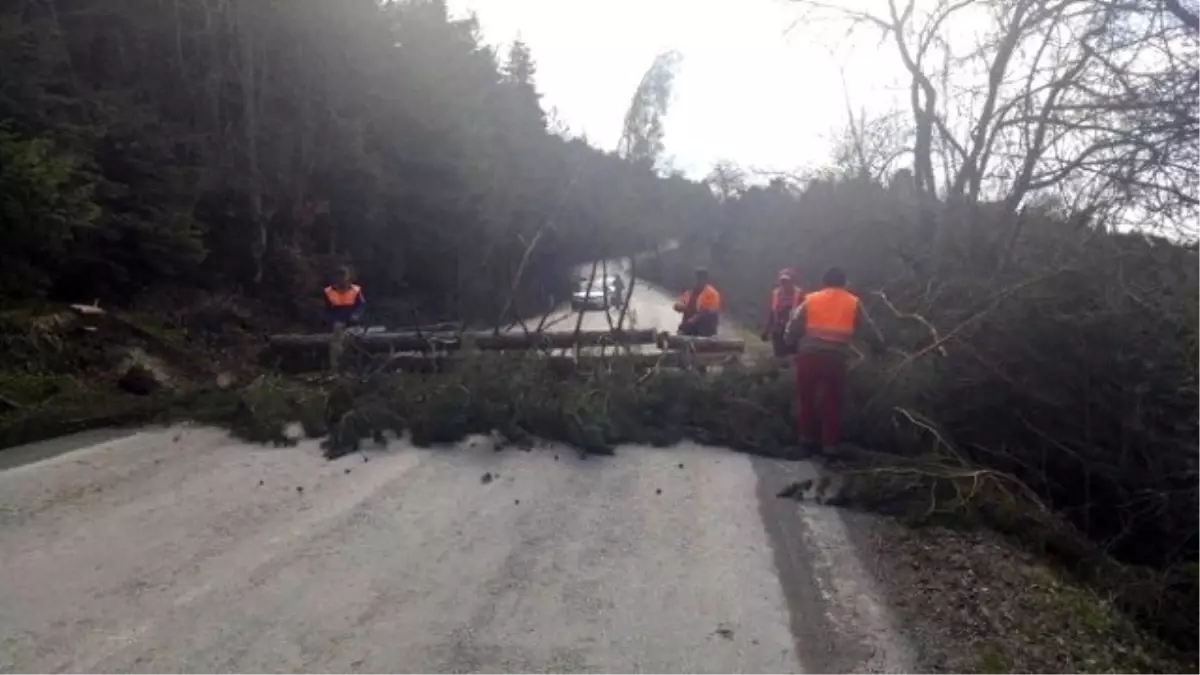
781,348
703,325
347,316
820,381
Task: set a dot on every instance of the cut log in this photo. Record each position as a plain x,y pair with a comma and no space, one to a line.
564,340
649,360
639,361
703,345
371,342
412,342
566,362
89,316
87,310
426,329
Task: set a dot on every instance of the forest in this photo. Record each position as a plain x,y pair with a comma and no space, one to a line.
1025,234
254,147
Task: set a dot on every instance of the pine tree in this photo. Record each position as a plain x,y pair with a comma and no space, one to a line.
520,72
254,146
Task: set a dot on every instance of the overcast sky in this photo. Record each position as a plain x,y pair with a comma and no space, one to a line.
745,92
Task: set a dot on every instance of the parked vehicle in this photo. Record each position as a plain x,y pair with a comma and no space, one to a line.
603,293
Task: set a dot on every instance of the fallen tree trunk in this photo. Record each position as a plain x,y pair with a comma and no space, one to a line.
424,342
371,342
587,338
440,363
443,327
702,345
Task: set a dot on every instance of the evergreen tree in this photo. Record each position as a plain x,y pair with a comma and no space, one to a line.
254,146
519,73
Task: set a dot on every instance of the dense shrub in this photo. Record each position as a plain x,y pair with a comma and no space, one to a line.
1068,360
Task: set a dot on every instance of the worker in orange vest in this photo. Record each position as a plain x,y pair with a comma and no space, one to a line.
344,306
700,308
785,298
821,328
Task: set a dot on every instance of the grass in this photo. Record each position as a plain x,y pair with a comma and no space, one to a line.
27,389
991,660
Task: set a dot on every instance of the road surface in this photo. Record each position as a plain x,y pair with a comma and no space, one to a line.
181,549
650,308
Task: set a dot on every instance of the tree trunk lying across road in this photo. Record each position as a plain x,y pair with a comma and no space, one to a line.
564,340
372,342
417,363
414,342
702,345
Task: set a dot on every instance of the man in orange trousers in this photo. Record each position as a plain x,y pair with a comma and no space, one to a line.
822,328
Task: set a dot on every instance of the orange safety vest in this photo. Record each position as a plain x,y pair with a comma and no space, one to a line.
709,300
830,313
345,298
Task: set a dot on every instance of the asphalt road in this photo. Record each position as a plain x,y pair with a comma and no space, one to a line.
650,307
181,549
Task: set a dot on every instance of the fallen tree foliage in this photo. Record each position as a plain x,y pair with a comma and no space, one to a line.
607,402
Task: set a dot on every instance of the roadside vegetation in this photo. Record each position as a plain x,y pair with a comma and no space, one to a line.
1030,253
197,171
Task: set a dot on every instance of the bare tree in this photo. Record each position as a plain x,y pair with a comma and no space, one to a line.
1142,98
1077,97
643,131
726,180
871,146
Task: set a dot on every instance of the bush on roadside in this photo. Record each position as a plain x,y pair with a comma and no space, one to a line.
1036,346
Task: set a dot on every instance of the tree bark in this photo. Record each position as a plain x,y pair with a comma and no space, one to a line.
248,77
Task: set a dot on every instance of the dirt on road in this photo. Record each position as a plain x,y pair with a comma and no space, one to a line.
183,550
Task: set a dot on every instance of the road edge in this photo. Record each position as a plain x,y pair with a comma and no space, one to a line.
818,566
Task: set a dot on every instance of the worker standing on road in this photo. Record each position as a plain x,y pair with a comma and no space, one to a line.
700,307
785,298
344,305
821,328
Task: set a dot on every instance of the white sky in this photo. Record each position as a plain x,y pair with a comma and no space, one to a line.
745,91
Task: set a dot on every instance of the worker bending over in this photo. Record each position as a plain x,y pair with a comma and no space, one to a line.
700,308
821,328
344,305
785,298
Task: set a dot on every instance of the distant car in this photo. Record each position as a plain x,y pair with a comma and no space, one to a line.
604,293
